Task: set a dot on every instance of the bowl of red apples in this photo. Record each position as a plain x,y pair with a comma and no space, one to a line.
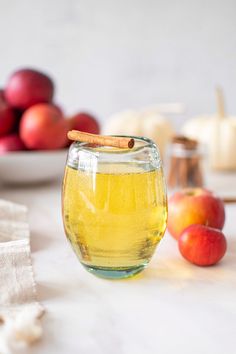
33,129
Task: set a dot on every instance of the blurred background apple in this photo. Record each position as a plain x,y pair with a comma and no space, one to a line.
27,87
7,116
43,127
85,122
11,142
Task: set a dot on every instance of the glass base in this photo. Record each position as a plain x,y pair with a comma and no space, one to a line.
114,273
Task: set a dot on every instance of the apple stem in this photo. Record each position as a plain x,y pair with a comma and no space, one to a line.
220,102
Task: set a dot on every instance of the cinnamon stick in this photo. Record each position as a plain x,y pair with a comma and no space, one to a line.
103,140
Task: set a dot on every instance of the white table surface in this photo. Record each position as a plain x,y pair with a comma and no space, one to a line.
172,307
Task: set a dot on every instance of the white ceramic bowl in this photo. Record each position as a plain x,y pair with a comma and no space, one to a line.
32,166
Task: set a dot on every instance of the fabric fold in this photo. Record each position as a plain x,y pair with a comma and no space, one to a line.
19,309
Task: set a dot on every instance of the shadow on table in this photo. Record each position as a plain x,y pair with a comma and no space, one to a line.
29,185
177,269
39,241
230,257
48,292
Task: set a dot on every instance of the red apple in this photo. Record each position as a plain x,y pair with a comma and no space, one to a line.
7,116
194,206
2,98
27,87
202,245
59,108
85,122
11,143
43,127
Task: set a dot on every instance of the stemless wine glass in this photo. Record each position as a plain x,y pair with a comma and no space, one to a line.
114,206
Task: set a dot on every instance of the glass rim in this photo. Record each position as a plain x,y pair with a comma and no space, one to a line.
146,143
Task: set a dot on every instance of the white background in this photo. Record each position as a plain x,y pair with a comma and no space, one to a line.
107,55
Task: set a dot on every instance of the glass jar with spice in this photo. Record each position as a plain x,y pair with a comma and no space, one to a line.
185,160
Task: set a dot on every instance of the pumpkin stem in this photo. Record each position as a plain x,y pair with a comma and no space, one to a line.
220,102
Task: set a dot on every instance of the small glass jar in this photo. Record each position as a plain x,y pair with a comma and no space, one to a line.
185,164
114,206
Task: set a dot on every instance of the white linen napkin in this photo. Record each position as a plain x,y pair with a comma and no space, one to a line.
19,309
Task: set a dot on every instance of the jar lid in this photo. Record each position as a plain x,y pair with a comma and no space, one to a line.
186,143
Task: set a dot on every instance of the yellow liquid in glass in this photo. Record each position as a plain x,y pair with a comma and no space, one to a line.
113,218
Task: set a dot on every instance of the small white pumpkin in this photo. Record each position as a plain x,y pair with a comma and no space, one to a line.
148,123
218,133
